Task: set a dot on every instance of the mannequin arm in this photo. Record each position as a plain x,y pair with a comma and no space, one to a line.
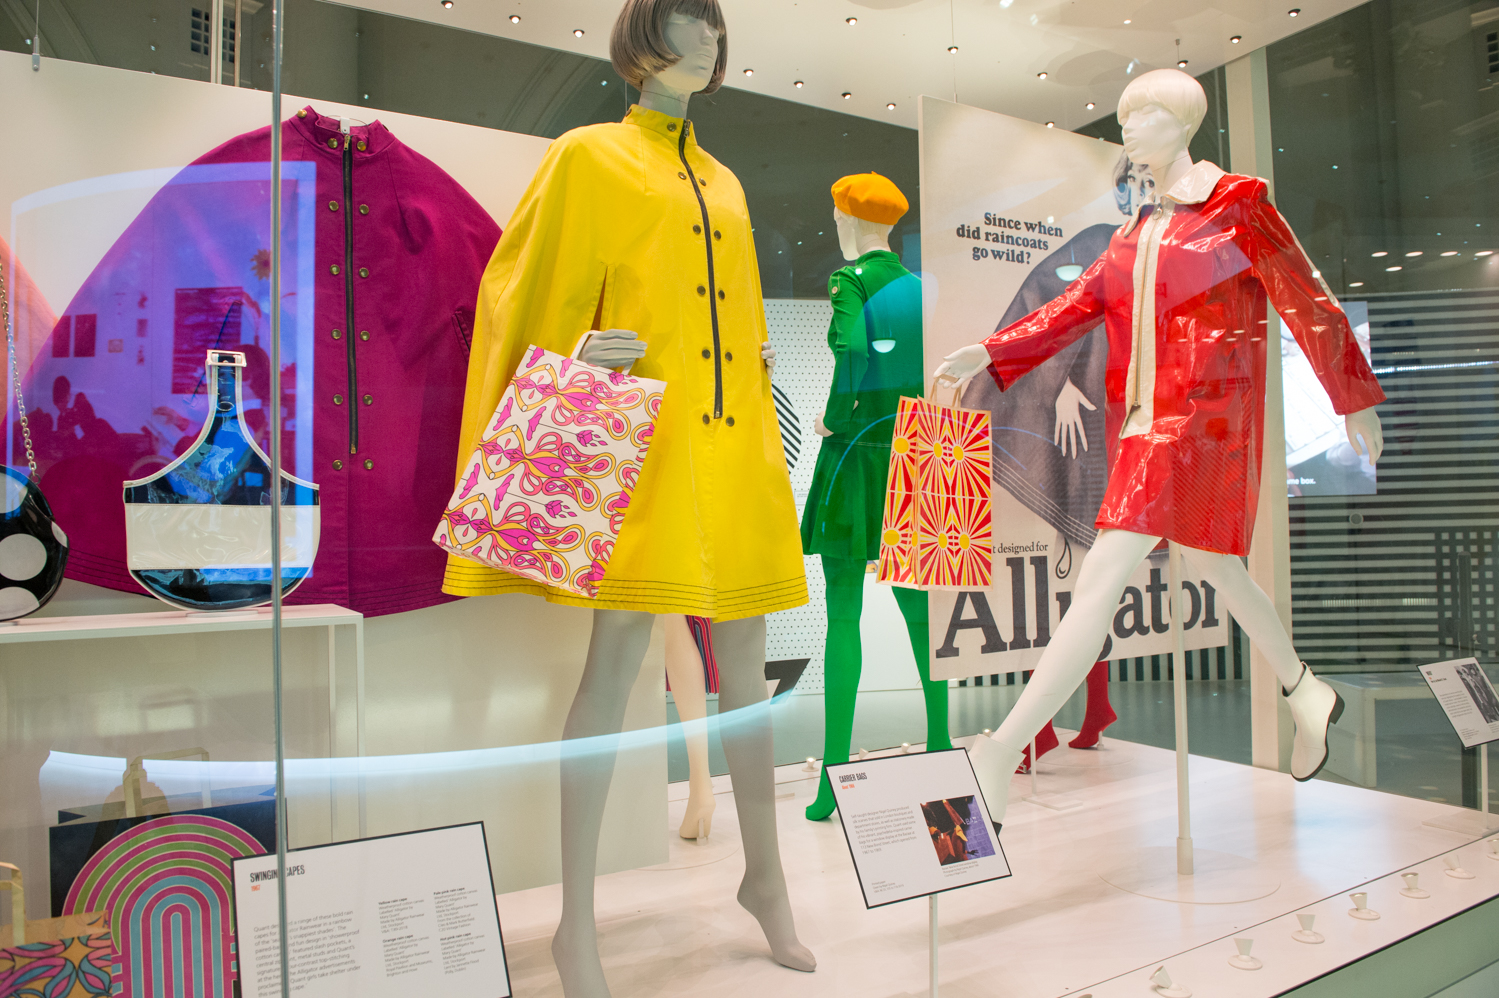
1307,305
1365,434
849,342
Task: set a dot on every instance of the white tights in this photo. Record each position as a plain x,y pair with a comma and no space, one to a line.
1100,583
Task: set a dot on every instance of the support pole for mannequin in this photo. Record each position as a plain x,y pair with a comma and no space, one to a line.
932,902
1483,784
1179,693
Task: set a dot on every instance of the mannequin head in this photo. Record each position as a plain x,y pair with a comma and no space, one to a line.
857,236
670,47
1159,112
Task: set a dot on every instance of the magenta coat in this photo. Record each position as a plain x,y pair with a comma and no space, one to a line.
378,381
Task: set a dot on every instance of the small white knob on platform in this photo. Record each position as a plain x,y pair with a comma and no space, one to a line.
811,766
1493,852
986,732
1242,960
1165,988
1361,907
905,748
1413,886
863,753
1455,867
1306,934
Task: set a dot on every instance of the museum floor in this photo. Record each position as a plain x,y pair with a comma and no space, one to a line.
1056,927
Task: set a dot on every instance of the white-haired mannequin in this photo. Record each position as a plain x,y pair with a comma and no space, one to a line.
1159,112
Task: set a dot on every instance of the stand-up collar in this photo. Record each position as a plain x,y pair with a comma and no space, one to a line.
664,124
367,140
1194,187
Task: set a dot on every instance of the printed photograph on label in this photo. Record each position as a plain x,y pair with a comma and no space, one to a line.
957,830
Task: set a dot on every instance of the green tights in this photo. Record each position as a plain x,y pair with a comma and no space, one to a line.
842,662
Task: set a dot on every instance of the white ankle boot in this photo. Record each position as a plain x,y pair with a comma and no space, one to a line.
1315,707
994,764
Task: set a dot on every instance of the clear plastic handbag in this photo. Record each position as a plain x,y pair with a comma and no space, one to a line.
198,532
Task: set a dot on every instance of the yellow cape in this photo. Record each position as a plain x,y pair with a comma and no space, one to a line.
632,226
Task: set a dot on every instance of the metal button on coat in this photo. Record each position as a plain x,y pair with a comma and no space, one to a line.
730,420
728,356
707,353
338,400
369,464
364,272
332,205
720,294
706,419
364,209
717,234
672,127
334,268
332,143
697,230
337,335
701,290
369,399
338,465
364,334
681,175
702,181
361,146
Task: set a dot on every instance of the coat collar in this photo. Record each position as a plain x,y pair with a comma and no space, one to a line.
665,125
1194,187
367,139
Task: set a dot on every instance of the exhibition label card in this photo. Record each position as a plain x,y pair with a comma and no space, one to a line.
1466,694
916,825
385,917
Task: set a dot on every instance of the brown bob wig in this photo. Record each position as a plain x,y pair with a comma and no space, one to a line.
637,45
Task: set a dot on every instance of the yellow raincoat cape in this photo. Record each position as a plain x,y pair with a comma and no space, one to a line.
632,226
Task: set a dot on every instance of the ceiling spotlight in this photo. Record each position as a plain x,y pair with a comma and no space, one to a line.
749,72
447,4
846,95
1294,11
1127,21
1356,284
577,32
1051,124
1380,253
1450,253
889,107
1090,105
1484,253
850,21
1414,253
514,18
1391,270
1236,39
798,84
952,50
1181,64
1041,75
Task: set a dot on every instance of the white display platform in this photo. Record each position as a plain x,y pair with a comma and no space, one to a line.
1055,928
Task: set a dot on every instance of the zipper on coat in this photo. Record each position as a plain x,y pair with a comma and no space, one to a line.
349,335
712,289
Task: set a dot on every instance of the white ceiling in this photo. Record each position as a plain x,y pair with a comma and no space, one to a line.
898,49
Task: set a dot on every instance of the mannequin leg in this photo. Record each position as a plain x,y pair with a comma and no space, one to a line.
1314,705
842,662
748,744
684,667
1100,713
1072,651
615,652
913,607
1046,740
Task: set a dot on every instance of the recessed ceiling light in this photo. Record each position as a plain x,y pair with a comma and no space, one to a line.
846,95
889,107
1041,75
1380,253
1414,253
850,21
514,18
798,84
1090,105
952,50
1181,64
1355,284
1294,11
1450,253
447,4
749,72
1236,39
1484,253
1391,270
1126,20
577,32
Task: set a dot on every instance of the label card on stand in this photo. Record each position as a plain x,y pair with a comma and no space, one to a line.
916,825
383,917
1468,697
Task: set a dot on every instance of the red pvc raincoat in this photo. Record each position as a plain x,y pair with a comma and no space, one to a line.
1185,382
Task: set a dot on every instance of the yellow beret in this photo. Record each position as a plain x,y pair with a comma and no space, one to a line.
871,197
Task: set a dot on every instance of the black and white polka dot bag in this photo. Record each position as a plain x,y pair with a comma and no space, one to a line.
33,549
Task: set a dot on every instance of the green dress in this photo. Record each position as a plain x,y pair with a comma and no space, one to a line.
875,337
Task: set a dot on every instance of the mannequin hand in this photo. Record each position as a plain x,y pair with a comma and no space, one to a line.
1365,424
612,348
768,354
965,363
821,427
1070,431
